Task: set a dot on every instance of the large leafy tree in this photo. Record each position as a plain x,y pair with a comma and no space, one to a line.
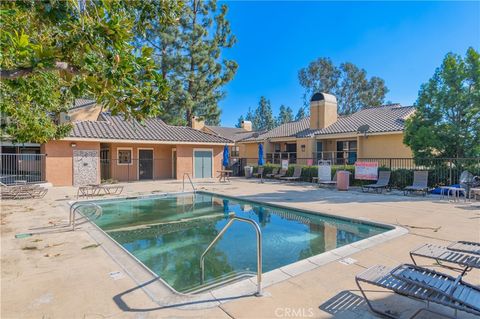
285,115
347,82
189,56
447,119
54,51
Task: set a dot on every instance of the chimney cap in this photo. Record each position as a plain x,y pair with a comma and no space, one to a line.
323,97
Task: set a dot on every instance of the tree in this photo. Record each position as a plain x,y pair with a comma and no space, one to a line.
263,116
285,115
55,51
240,120
189,57
301,114
447,118
348,83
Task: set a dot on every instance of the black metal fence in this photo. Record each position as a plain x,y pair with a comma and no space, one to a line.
22,168
442,171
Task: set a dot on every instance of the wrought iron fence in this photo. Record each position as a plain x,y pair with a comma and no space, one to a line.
442,171
22,168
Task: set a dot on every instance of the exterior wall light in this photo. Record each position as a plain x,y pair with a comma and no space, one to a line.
73,144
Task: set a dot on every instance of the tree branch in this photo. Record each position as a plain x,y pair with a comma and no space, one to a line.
21,72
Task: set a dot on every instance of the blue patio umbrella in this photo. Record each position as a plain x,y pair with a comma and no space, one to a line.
226,156
260,154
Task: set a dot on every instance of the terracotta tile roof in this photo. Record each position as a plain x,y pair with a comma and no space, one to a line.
232,133
386,118
116,127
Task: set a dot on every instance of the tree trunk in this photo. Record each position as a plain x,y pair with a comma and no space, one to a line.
189,111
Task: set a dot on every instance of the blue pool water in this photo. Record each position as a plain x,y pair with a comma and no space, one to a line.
169,233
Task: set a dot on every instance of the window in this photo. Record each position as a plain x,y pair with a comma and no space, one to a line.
277,147
124,156
319,147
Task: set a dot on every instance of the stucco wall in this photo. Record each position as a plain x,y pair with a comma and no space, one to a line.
185,158
59,160
162,161
390,145
250,152
307,153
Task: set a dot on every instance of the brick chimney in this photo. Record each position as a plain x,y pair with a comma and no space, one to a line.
197,123
323,110
247,125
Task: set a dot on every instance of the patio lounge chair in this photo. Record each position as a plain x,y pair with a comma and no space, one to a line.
96,190
297,173
333,182
22,191
420,183
273,173
282,173
440,254
381,184
469,247
424,285
259,172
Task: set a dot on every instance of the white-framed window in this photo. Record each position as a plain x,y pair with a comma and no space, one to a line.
124,156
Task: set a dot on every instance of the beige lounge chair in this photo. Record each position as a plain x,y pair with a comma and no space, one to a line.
22,191
333,182
297,173
273,173
282,173
420,183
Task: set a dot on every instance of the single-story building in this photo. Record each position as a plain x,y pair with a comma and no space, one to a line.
374,132
102,146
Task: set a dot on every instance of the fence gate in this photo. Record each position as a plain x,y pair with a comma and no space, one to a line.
85,167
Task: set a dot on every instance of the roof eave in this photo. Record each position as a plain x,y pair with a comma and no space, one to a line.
105,140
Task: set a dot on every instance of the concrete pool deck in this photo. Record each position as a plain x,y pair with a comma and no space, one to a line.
65,275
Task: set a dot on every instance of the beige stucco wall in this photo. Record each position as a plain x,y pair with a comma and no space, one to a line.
185,158
86,113
162,164
59,160
250,152
302,156
388,145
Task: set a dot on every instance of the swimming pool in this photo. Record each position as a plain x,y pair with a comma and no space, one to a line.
169,233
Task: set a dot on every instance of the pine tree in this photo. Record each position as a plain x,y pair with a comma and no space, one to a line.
263,116
285,115
240,120
194,49
300,114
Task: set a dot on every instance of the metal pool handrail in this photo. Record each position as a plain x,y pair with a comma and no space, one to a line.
259,249
191,183
75,206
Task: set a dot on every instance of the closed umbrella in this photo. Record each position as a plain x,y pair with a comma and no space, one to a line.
260,155
226,157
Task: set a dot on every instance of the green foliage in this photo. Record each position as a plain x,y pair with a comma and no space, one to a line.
302,113
240,120
262,117
55,51
285,115
447,120
189,57
347,82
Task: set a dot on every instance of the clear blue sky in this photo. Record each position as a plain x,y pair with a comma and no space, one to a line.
401,42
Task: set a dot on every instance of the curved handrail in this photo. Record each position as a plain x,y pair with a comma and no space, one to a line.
191,183
259,248
75,206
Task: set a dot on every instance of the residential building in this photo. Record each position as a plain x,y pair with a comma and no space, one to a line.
102,146
374,132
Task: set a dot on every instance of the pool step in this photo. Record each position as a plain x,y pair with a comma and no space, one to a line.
220,282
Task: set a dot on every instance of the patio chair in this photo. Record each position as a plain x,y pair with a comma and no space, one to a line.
259,172
22,191
297,173
441,254
333,182
424,285
381,184
420,183
95,190
281,174
273,173
469,247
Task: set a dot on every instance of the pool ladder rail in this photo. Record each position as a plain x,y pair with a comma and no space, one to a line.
73,222
259,249
191,183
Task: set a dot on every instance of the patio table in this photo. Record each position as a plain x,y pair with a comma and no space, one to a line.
224,175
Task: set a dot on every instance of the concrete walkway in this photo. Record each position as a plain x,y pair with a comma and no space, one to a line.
64,275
